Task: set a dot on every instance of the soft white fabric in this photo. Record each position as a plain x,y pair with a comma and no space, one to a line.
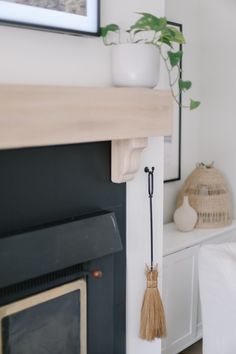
217,278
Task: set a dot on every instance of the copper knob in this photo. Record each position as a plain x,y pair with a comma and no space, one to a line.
96,274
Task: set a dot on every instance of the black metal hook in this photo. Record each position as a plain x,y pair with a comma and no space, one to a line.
150,180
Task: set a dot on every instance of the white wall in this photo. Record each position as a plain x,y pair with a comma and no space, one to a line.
208,134
218,74
33,57
186,12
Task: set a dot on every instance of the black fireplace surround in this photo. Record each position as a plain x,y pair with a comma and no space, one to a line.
52,201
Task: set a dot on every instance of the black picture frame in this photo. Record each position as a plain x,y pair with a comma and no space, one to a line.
173,173
44,19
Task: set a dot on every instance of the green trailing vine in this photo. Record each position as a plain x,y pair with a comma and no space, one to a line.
162,35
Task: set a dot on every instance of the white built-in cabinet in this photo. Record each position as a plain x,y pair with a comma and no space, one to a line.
180,283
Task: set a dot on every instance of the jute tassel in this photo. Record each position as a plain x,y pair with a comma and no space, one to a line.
153,324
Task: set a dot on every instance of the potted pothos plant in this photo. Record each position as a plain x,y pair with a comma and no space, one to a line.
154,35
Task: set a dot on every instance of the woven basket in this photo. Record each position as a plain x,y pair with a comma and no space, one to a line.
209,195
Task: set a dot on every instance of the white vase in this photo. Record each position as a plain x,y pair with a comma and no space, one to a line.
185,217
135,65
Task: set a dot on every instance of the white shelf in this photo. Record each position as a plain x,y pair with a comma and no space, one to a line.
174,240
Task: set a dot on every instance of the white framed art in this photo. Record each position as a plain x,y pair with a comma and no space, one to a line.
68,16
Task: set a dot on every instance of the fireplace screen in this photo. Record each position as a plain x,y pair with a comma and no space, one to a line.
52,322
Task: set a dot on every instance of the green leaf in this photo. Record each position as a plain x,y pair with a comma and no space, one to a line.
176,34
162,22
184,85
109,28
166,40
175,57
149,22
171,35
194,104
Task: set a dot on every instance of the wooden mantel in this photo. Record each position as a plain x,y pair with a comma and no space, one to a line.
49,115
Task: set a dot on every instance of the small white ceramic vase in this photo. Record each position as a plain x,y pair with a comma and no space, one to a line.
185,217
135,65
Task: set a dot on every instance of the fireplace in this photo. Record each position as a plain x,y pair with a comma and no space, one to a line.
40,186
62,226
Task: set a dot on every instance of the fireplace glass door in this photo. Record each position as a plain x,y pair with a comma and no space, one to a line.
53,321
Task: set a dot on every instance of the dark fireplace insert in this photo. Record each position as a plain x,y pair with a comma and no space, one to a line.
62,252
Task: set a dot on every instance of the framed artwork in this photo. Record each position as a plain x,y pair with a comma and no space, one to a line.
66,16
172,144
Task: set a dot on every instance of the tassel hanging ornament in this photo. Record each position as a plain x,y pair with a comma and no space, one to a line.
153,324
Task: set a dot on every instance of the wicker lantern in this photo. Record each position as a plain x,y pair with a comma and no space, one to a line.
209,195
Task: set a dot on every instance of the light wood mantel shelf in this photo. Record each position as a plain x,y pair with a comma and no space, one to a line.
50,115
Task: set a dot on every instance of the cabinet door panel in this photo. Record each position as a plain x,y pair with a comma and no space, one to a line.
199,318
199,310
180,299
